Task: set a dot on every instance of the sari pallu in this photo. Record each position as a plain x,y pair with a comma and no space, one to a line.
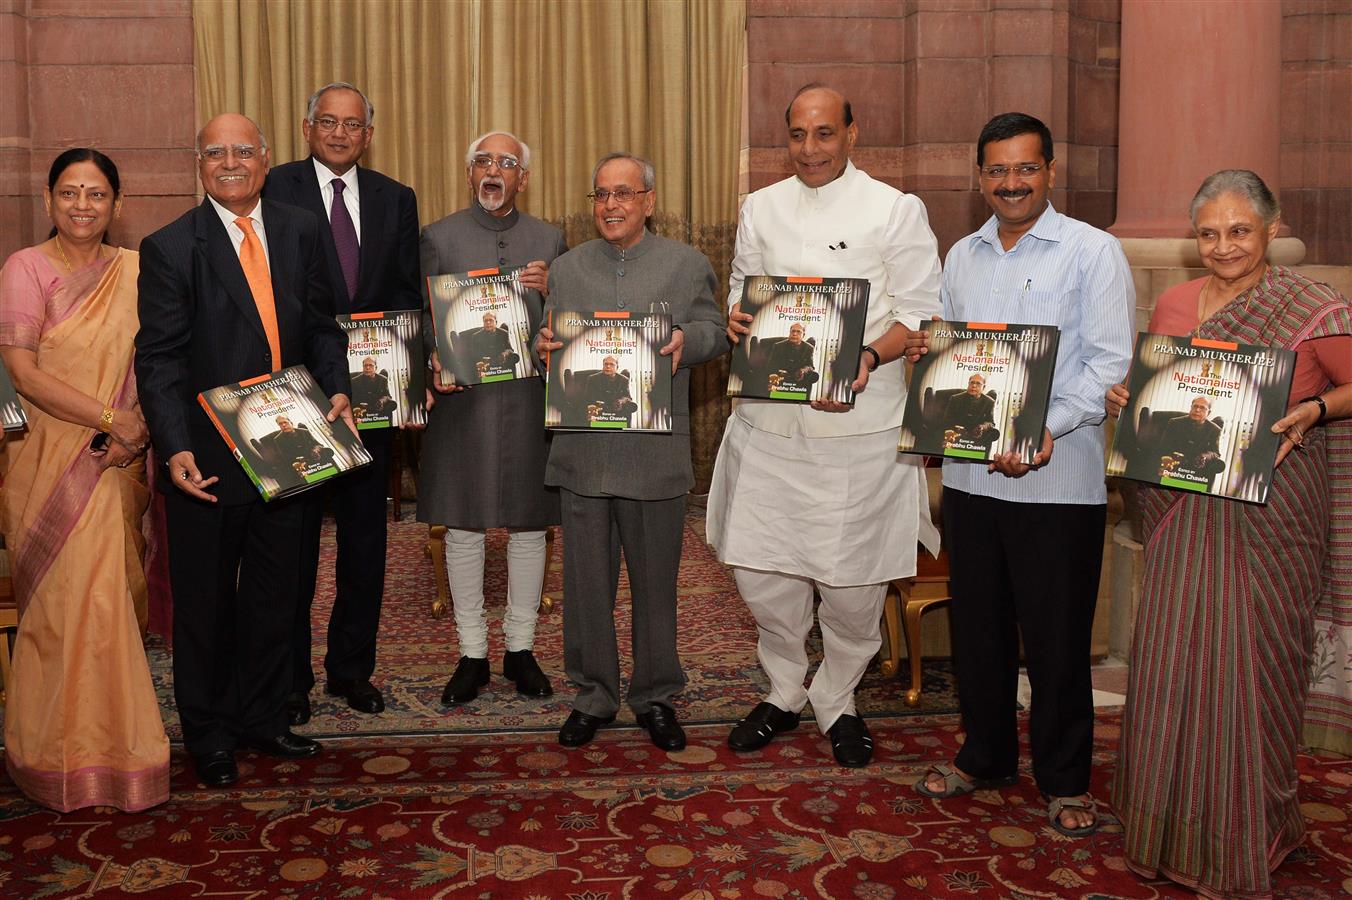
1206,784
82,725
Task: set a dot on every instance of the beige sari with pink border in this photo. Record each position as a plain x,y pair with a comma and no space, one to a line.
82,725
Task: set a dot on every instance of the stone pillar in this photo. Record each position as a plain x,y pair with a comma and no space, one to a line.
117,76
1200,91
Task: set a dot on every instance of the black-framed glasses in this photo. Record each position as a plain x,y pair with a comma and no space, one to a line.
327,124
621,195
505,163
217,154
996,173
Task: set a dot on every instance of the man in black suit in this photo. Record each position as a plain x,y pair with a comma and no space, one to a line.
1194,440
490,343
290,445
368,227
231,290
793,356
371,390
973,411
609,389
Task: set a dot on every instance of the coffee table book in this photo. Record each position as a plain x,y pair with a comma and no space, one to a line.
806,334
276,427
472,350
608,375
1200,416
385,363
981,391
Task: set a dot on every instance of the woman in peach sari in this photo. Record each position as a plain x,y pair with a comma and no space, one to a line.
82,726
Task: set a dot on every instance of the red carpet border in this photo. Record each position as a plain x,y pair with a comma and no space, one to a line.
518,816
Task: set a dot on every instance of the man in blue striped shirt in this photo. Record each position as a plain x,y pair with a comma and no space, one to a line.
1026,542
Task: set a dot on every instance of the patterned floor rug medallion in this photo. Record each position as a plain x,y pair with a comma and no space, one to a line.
517,816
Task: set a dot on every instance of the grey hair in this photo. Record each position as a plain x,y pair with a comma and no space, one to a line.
474,148
1237,181
262,138
649,173
339,86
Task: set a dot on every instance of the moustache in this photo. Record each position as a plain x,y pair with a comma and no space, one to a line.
1016,194
493,180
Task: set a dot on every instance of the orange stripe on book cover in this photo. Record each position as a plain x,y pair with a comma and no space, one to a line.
370,315
802,279
988,326
1214,345
610,315
475,273
211,414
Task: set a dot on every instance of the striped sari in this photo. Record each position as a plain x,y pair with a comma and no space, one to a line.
82,725
1206,782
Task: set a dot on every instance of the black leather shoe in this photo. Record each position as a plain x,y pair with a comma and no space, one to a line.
363,696
216,769
850,742
580,728
520,666
665,731
471,673
285,745
297,708
760,727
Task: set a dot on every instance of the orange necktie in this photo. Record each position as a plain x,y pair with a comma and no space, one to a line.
255,266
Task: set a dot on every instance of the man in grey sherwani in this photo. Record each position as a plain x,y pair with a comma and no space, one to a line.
627,489
483,457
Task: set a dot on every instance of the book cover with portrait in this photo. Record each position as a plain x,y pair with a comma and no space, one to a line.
276,427
982,390
11,410
1200,415
608,374
483,326
806,334
386,365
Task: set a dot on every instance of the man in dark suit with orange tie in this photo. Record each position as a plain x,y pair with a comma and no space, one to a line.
231,290
368,227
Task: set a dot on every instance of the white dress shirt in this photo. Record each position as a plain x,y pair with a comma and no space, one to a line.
237,234
877,233
351,196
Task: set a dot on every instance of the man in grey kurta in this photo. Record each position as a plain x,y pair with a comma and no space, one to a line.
627,489
483,458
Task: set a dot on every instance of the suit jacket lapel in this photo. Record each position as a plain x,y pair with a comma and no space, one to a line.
224,261
373,201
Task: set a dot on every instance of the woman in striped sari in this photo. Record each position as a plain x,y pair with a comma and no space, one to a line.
1206,783
82,726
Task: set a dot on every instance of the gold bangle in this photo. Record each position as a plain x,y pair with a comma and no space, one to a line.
106,419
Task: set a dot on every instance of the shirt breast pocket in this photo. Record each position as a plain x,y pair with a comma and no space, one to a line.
1059,308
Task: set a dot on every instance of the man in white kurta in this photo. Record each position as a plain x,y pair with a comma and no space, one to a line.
817,497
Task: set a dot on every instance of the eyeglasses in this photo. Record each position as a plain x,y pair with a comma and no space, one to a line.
621,195
505,163
217,154
327,124
997,173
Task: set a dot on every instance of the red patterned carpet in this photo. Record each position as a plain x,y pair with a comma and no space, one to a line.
416,653
481,801
517,816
